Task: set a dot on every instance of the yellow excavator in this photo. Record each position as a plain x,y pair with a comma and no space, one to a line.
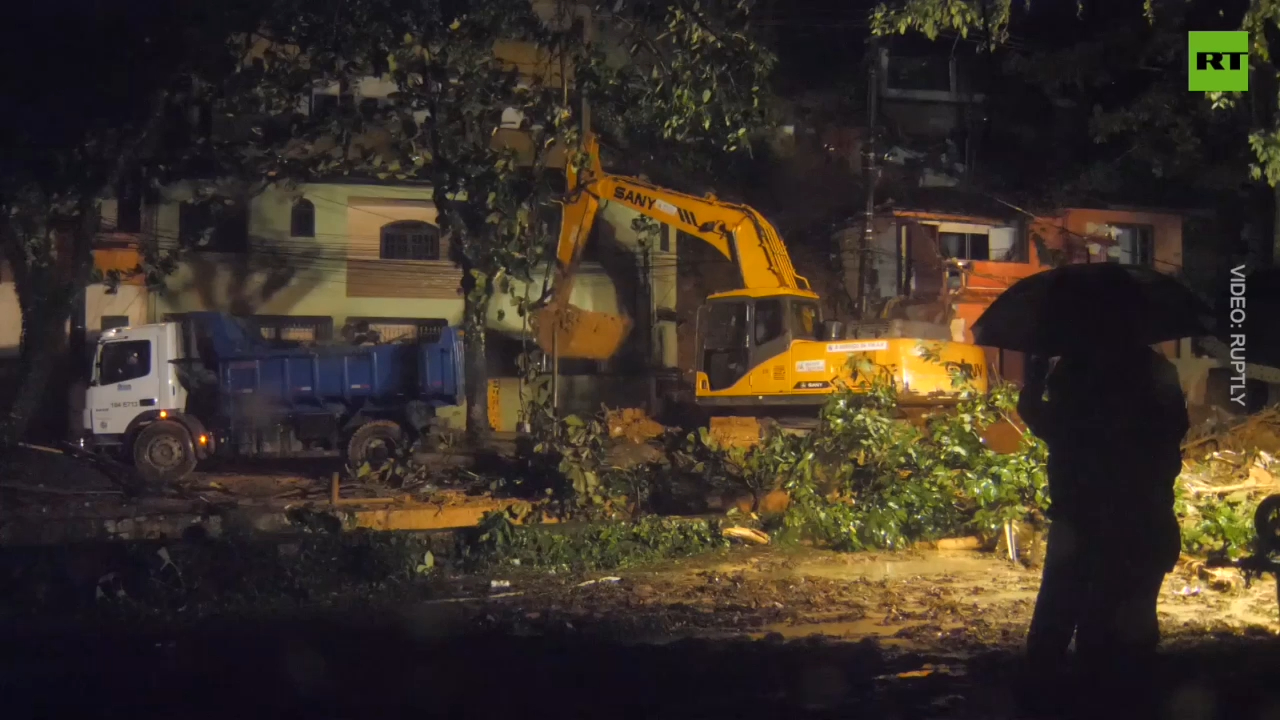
763,351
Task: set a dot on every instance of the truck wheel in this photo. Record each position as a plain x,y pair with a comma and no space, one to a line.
163,452
375,443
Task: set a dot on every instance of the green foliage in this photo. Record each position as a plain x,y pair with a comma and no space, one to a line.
603,546
932,17
866,479
1216,526
693,81
1168,128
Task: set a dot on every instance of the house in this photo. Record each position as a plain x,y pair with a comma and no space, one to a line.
930,105
954,262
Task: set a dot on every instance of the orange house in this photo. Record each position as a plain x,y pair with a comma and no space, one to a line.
1072,235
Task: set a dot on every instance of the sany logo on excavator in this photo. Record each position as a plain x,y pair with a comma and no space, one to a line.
649,203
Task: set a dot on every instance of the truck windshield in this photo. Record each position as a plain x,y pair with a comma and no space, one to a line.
124,361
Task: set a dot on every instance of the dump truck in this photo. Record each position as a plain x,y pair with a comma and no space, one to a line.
764,350
170,396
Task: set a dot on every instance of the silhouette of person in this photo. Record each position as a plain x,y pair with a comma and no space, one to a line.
1113,422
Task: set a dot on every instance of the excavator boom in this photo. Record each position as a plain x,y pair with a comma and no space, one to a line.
737,232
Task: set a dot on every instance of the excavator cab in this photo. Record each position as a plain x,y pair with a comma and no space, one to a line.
739,331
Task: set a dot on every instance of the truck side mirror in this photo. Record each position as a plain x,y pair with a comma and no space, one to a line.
832,330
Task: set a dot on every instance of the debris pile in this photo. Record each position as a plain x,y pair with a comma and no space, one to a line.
633,425
1226,456
1216,431
1230,465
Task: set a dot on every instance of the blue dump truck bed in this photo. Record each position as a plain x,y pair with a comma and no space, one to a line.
430,372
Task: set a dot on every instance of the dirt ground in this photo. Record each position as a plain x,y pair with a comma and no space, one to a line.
750,633
924,600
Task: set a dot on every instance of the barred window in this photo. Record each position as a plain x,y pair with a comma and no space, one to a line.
410,240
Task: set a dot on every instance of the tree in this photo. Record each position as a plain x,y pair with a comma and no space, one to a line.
90,119
692,92
690,82
1166,129
218,105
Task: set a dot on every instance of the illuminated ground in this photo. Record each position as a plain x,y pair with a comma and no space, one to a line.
754,633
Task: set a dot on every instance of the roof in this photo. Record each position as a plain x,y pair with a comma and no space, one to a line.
953,202
1139,208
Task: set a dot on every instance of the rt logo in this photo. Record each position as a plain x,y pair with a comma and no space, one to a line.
1218,61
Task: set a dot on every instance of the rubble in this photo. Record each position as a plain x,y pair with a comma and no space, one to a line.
634,425
1216,431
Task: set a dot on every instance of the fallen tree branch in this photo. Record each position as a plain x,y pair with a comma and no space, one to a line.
1266,415
1226,489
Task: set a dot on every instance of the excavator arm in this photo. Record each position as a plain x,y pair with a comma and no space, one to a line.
737,232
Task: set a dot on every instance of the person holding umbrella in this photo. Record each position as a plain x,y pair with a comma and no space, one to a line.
1112,413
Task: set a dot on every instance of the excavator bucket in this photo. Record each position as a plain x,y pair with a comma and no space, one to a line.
574,333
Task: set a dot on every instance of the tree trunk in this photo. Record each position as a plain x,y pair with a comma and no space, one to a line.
1275,227
43,324
475,313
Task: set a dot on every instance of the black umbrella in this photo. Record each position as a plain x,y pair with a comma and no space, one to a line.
1081,307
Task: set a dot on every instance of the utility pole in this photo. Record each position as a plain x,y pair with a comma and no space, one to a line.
587,37
872,175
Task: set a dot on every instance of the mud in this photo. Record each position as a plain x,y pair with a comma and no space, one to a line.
752,633
926,601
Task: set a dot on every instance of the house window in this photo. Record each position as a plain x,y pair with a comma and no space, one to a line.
111,322
223,229
410,240
302,219
979,242
396,329
129,206
369,107
965,246
1135,245
325,104
664,241
919,73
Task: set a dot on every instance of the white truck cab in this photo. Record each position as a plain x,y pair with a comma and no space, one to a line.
133,379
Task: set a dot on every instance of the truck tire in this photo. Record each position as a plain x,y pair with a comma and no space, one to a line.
163,452
375,443
1266,525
